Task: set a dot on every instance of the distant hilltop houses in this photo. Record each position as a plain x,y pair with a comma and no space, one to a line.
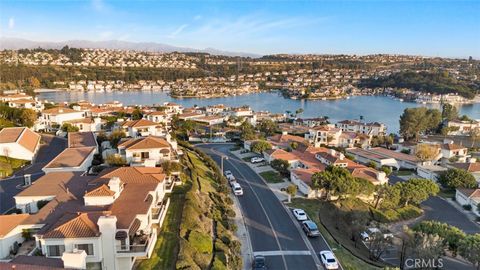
203,75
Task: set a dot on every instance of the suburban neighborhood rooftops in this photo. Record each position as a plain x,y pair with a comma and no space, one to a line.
71,157
21,135
81,139
24,262
469,166
139,123
77,225
452,146
59,110
144,143
9,222
470,193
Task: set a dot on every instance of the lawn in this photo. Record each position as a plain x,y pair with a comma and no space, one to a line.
347,259
9,165
403,173
164,255
272,177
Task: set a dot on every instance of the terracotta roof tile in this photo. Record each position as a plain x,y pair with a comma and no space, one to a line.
74,226
100,191
59,110
21,135
139,123
81,139
71,157
469,167
9,222
145,143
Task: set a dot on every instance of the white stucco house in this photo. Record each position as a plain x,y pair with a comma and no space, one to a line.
148,151
19,143
470,197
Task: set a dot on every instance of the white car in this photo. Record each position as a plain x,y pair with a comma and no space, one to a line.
370,233
237,189
328,259
229,176
299,214
257,159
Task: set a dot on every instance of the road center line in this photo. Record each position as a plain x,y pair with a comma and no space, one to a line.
282,252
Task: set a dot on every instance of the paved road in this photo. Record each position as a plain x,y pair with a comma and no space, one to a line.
273,232
51,148
436,208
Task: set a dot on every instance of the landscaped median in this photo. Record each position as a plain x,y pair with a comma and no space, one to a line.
339,241
272,177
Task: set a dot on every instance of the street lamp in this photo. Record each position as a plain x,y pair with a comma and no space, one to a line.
221,162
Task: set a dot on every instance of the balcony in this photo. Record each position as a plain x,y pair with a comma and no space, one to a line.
140,246
159,212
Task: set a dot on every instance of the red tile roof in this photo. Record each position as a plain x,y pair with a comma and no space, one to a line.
139,123
80,225
21,135
9,222
149,142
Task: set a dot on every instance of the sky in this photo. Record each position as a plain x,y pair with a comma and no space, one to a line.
430,28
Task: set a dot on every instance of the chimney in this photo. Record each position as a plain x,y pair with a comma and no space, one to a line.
114,184
77,259
107,225
341,156
381,176
284,132
332,152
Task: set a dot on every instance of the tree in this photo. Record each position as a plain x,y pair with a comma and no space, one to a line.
426,152
137,114
170,166
451,234
28,117
387,196
377,245
281,166
268,127
248,133
449,112
469,248
34,82
386,169
416,190
260,146
188,126
415,121
67,127
455,178
372,164
115,137
291,191
116,160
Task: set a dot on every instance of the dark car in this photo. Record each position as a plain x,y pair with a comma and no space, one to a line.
310,228
259,263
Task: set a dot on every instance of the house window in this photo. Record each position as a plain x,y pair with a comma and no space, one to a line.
87,247
145,154
55,250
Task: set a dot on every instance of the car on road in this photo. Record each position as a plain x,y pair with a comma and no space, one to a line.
257,159
369,234
259,263
237,189
299,214
229,175
328,259
310,228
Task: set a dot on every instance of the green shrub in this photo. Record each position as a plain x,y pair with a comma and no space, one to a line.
201,242
218,265
409,212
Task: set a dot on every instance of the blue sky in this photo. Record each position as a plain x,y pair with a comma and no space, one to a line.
432,28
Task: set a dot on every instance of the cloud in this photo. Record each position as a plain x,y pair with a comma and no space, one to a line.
11,23
178,31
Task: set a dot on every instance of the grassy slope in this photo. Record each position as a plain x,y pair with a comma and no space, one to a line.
346,258
272,177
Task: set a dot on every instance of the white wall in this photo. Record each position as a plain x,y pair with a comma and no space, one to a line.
70,245
14,150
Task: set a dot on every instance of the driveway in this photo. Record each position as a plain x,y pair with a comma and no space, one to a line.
51,147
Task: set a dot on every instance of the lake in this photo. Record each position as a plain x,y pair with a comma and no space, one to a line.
372,108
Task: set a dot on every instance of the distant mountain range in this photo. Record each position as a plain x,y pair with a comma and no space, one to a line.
18,43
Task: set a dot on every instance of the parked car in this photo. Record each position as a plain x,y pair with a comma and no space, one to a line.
370,232
259,263
237,189
233,182
229,175
300,215
310,228
328,259
257,159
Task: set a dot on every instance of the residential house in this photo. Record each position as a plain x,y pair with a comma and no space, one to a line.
385,157
19,143
310,122
53,119
10,233
324,135
469,197
88,221
148,151
88,124
173,107
460,127
81,139
472,166
210,120
372,129
142,127
455,152
77,159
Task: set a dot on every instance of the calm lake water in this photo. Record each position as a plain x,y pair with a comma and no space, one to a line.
372,108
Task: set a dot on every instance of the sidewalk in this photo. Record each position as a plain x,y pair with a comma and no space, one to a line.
242,235
469,214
